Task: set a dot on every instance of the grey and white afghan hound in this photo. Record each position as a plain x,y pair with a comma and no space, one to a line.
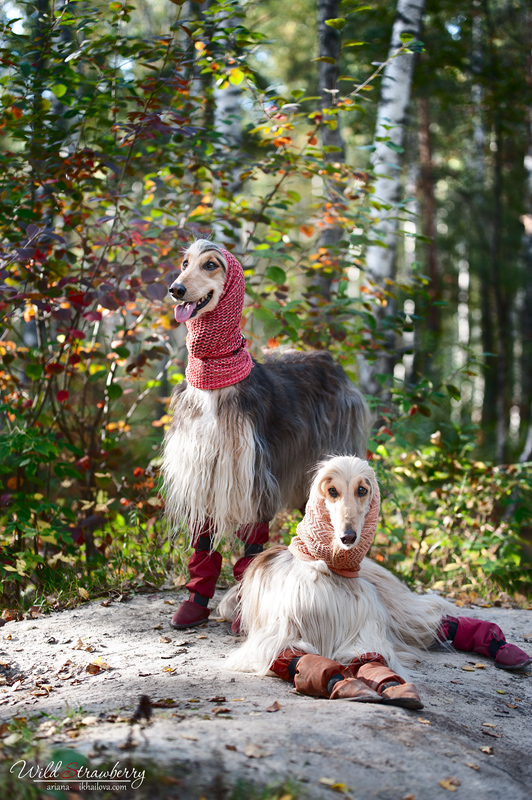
236,455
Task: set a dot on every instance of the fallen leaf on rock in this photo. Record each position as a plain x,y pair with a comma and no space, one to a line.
238,699
164,639
96,666
180,581
83,593
167,703
480,666
8,615
255,751
424,721
170,670
201,636
158,627
451,784
473,766
169,655
189,736
217,699
218,619
144,674
500,691
527,637
221,710
231,747
129,745
466,668
72,734
80,645
106,603
170,602
511,705
89,720
327,781
13,739
408,797
459,682
493,735
486,749
489,724
9,636
275,706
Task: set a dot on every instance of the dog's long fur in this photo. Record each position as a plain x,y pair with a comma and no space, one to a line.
284,602
238,455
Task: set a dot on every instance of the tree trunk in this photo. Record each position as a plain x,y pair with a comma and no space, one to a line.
329,47
387,162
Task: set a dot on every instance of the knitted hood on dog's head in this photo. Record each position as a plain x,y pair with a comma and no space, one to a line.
315,536
217,354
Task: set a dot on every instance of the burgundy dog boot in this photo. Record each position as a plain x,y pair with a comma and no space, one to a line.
486,638
191,612
254,538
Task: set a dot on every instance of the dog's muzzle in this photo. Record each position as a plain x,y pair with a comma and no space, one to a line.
349,538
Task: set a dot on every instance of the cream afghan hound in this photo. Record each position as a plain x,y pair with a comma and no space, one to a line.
294,599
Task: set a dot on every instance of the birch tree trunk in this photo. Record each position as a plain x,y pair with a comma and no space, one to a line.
331,136
387,162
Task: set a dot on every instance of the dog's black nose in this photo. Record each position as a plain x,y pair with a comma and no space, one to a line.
349,536
177,290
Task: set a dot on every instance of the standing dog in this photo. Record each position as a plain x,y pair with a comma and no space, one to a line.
244,435
323,615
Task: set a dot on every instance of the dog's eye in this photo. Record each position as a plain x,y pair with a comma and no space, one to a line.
362,491
210,265
333,492
184,265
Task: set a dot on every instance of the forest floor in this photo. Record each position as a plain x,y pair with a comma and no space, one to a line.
474,735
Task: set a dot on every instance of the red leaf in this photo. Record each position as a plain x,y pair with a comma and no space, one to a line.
76,334
413,411
62,395
93,316
54,368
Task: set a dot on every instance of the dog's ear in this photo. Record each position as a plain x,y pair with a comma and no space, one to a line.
323,485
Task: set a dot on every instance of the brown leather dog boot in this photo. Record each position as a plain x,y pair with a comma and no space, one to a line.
321,677
393,690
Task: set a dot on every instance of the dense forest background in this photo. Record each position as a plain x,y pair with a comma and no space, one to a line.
370,164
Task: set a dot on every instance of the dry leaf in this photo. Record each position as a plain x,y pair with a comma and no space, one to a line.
164,639
169,669
511,705
473,766
451,784
486,749
4,727
170,602
467,668
72,734
168,703
201,636
327,781
13,739
83,593
480,666
189,736
231,747
144,674
217,699
181,580
489,733
158,627
89,720
424,721
255,751
489,724
92,669
500,691
9,636
220,710
274,707
107,602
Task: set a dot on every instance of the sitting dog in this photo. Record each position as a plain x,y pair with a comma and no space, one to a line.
323,615
244,434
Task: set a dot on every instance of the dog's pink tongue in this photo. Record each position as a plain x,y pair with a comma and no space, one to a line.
184,312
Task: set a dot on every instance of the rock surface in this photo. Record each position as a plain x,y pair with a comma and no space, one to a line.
474,734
